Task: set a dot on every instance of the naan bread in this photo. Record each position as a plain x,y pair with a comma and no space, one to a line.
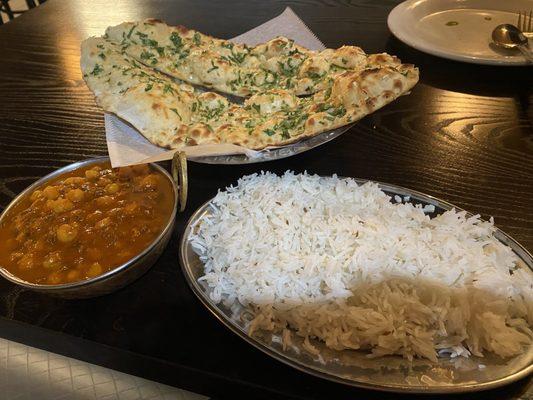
173,114
238,69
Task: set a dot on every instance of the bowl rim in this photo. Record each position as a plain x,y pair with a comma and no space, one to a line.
78,284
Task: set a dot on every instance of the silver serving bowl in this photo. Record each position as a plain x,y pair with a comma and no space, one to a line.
111,280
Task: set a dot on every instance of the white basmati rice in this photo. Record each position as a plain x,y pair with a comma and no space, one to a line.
328,259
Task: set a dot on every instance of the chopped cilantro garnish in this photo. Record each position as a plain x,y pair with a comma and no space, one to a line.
294,120
269,132
196,39
257,107
237,58
194,106
130,32
97,70
148,87
168,89
337,112
213,67
145,55
212,112
293,52
177,113
288,69
270,77
250,125
315,76
100,46
148,42
176,40
101,55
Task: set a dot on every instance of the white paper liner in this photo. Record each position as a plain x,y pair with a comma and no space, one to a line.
126,146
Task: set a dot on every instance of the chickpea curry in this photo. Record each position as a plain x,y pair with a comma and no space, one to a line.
84,223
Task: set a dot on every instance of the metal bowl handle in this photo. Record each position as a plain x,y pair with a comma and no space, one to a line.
179,173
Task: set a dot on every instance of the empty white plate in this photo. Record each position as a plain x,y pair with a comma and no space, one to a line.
458,29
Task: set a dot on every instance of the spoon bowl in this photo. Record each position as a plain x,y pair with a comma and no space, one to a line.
508,36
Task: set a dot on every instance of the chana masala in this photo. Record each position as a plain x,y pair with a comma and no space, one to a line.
84,223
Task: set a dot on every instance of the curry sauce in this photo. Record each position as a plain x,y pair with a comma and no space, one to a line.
84,223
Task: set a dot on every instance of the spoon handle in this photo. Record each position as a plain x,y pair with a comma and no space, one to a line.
526,52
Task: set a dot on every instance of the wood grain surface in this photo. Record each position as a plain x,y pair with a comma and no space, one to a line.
464,134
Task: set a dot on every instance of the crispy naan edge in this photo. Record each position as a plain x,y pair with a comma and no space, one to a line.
173,115
237,69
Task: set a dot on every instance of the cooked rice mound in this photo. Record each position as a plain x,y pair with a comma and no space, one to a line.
329,259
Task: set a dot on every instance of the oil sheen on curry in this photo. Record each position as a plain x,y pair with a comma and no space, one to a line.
84,223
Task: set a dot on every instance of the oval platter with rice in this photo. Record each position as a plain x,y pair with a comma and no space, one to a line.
363,283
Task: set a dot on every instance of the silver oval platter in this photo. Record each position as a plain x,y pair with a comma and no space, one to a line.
391,373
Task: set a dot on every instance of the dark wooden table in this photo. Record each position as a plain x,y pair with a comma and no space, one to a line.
464,134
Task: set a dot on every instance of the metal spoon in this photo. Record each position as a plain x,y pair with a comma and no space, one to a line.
510,37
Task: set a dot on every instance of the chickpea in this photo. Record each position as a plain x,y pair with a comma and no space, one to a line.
103,223
104,182
51,192
104,201
52,260
73,275
74,180
150,181
112,188
66,233
91,174
54,278
75,195
94,270
36,195
61,205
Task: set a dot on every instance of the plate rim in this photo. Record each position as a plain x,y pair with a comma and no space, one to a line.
391,388
392,22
